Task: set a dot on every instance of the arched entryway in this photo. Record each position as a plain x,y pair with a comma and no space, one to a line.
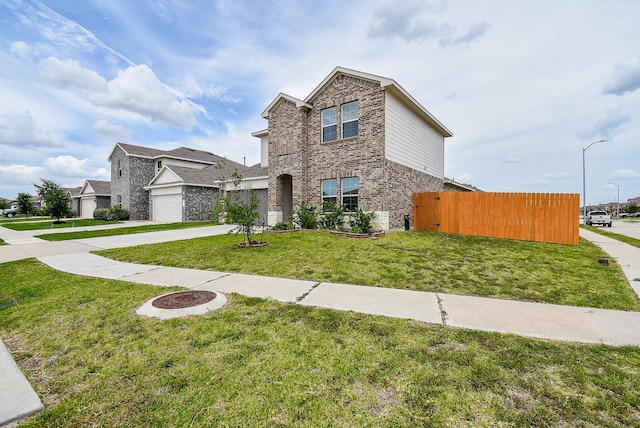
285,185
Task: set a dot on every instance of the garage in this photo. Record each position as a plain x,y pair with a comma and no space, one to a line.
167,208
87,207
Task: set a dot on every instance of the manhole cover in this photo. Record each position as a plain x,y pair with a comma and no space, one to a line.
184,299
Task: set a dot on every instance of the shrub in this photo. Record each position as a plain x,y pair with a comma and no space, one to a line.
360,221
333,216
117,213
283,225
101,214
305,216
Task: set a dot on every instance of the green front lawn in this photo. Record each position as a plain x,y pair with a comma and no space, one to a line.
622,238
122,230
260,363
423,261
39,225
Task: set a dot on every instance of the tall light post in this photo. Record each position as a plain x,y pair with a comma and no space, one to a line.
584,191
617,200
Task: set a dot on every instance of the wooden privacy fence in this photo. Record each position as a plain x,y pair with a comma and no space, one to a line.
541,217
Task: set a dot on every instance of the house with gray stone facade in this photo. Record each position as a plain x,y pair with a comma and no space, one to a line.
93,194
357,139
175,185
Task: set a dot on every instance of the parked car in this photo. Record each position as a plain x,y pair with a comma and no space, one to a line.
9,212
599,217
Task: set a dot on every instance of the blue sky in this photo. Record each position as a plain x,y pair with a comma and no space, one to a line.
524,86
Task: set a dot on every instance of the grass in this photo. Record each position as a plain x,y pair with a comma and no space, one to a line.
262,363
122,231
52,225
622,238
423,261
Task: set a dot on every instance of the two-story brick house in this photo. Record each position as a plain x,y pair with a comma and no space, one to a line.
357,139
175,185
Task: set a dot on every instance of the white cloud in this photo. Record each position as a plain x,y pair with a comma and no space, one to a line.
626,78
136,89
511,160
18,128
69,166
608,125
69,74
111,132
412,20
20,49
625,174
464,178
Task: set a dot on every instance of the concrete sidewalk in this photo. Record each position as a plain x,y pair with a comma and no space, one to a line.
545,321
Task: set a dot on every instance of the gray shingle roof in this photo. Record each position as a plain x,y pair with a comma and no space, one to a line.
100,187
145,152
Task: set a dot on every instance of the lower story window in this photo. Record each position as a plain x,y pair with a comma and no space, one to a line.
350,193
329,193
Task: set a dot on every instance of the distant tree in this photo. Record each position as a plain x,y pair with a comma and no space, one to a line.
632,208
4,205
56,200
25,204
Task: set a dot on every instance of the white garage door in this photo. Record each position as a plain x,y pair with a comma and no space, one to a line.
87,206
167,208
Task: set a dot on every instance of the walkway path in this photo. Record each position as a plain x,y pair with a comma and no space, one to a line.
546,321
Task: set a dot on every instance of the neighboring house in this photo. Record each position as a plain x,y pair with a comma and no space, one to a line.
357,139
175,185
94,194
451,185
74,199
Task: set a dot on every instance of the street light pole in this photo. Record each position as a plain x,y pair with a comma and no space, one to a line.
617,200
584,191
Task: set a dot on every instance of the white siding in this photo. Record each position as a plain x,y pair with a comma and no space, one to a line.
179,162
410,141
264,152
166,176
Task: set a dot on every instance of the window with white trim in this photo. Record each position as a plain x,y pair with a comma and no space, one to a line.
350,120
159,166
329,124
350,187
329,193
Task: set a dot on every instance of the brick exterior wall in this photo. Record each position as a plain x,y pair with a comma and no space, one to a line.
198,202
296,149
136,173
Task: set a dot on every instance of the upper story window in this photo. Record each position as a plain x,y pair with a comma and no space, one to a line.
119,168
350,193
350,120
329,192
329,124
159,166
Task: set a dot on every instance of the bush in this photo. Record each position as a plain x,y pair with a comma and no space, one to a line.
117,213
333,216
305,216
283,225
114,213
360,221
101,214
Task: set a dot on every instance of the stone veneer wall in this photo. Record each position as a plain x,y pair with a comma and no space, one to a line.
287,151
361,156
198,202
103,202
403,182
136,173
